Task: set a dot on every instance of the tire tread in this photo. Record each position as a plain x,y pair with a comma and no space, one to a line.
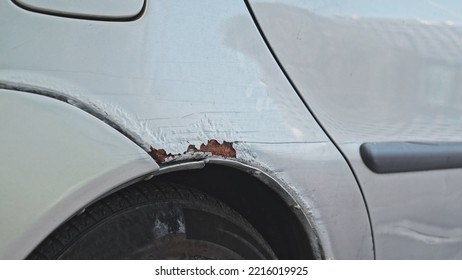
137,195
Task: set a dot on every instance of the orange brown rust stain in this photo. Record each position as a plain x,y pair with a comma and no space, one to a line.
159,155
213,147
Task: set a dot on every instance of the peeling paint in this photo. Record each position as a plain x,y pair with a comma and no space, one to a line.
213,147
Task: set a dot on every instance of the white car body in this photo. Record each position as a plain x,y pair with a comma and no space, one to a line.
296,104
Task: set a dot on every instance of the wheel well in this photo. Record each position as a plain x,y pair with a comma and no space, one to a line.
254,200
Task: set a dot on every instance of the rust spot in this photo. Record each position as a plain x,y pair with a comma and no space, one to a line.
192,149
213,147
159,155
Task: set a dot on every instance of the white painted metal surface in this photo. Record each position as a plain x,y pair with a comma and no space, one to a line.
375,71
56,159
187,72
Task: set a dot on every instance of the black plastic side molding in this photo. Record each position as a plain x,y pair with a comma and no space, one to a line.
394,157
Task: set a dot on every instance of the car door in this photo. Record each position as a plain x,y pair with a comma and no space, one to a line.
383,78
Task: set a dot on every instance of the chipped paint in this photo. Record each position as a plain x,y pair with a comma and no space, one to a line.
213,147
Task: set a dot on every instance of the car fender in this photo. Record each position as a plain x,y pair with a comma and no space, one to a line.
56,159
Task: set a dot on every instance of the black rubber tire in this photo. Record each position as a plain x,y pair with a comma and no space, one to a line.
155,221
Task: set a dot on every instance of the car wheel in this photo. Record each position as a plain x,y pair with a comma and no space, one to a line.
155,221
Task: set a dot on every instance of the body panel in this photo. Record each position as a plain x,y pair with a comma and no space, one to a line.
187,72
375,71
56,160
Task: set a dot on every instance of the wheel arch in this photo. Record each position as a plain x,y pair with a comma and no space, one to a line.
258,197
284,224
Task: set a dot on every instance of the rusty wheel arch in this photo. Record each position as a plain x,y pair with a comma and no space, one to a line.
257,196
